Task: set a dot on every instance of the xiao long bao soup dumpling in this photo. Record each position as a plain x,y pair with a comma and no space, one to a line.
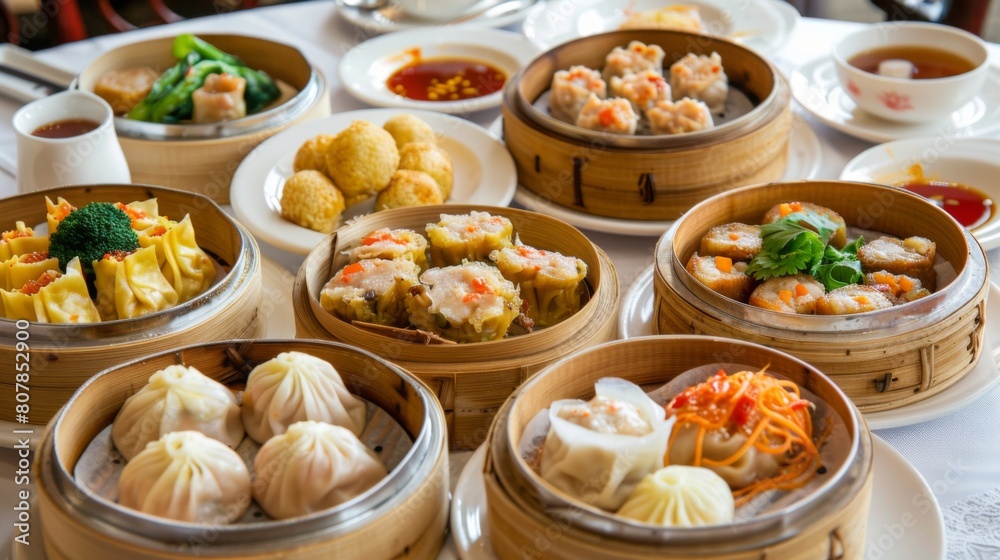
620,431
293,387
186,476
681,496
177,398
311,467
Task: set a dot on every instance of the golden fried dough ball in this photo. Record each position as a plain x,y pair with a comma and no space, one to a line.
406,128
124,89
432,160
362,159
312,153
311,200
409,188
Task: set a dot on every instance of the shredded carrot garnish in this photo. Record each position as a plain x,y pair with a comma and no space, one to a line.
770,412
785,296
724,264
801,290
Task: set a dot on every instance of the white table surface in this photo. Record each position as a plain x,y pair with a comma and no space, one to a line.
958,455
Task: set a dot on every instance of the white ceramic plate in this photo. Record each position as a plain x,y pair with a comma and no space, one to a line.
969,161
897,490
484,173
816,87
637,319
365,68
391,18
804,159
764,25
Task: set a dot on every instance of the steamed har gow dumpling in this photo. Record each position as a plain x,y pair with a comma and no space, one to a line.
680,496
293,387
311,467
598,451
177,398
186,476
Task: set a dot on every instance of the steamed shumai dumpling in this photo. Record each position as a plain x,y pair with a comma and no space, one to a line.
177,398
293,387
186,476
311,467
681,496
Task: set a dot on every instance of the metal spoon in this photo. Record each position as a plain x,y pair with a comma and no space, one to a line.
365,4
493,11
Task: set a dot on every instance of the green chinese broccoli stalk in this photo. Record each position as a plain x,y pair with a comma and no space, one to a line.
91,232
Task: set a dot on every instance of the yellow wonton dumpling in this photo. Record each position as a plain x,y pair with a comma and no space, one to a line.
53,298
56,211
21,240
184,264
143,213
132,286
16,271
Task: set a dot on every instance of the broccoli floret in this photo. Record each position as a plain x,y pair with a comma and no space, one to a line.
90,232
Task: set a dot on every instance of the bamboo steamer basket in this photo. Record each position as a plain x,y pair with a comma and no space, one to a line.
529,518
404,516
470,380
882,360
64,356
646,177
202,158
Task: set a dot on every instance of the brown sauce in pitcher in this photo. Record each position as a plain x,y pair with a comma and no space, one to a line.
65,128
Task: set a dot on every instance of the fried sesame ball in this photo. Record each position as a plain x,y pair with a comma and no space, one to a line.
406,128
409,188
362,159
310,199
312,153
432,160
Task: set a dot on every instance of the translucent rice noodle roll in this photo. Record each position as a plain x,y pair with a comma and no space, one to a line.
608,115
634,58
372,290
701,77
465,303
686,115
570,90
470,236
551,284
599,450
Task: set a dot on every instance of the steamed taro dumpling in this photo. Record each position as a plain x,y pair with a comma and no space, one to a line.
293,387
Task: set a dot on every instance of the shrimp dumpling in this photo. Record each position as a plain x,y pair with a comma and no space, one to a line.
851,299
913,256
186,476
686,115
701,77
599,450
293,387
220,99
311,467
636,57
740,242
681,496
177,398
608,115
371,290
722,275
571,89
788,294
642,89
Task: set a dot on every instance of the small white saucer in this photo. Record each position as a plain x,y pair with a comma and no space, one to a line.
392,18
763,25
969,161
365,68
816,87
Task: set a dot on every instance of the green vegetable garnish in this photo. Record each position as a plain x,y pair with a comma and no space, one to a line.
91,232
799,243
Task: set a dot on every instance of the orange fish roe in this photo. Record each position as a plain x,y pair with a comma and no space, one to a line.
17,233
33,286
33,257
117,254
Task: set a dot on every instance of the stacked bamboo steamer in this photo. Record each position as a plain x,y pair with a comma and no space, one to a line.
882,360
64,356
529,518
646,177
202,158
404,516
471,380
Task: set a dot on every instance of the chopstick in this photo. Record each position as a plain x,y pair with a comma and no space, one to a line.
49,85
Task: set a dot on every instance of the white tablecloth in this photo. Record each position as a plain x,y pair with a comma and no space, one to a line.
958,455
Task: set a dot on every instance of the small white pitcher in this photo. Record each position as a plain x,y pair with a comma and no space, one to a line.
89,158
